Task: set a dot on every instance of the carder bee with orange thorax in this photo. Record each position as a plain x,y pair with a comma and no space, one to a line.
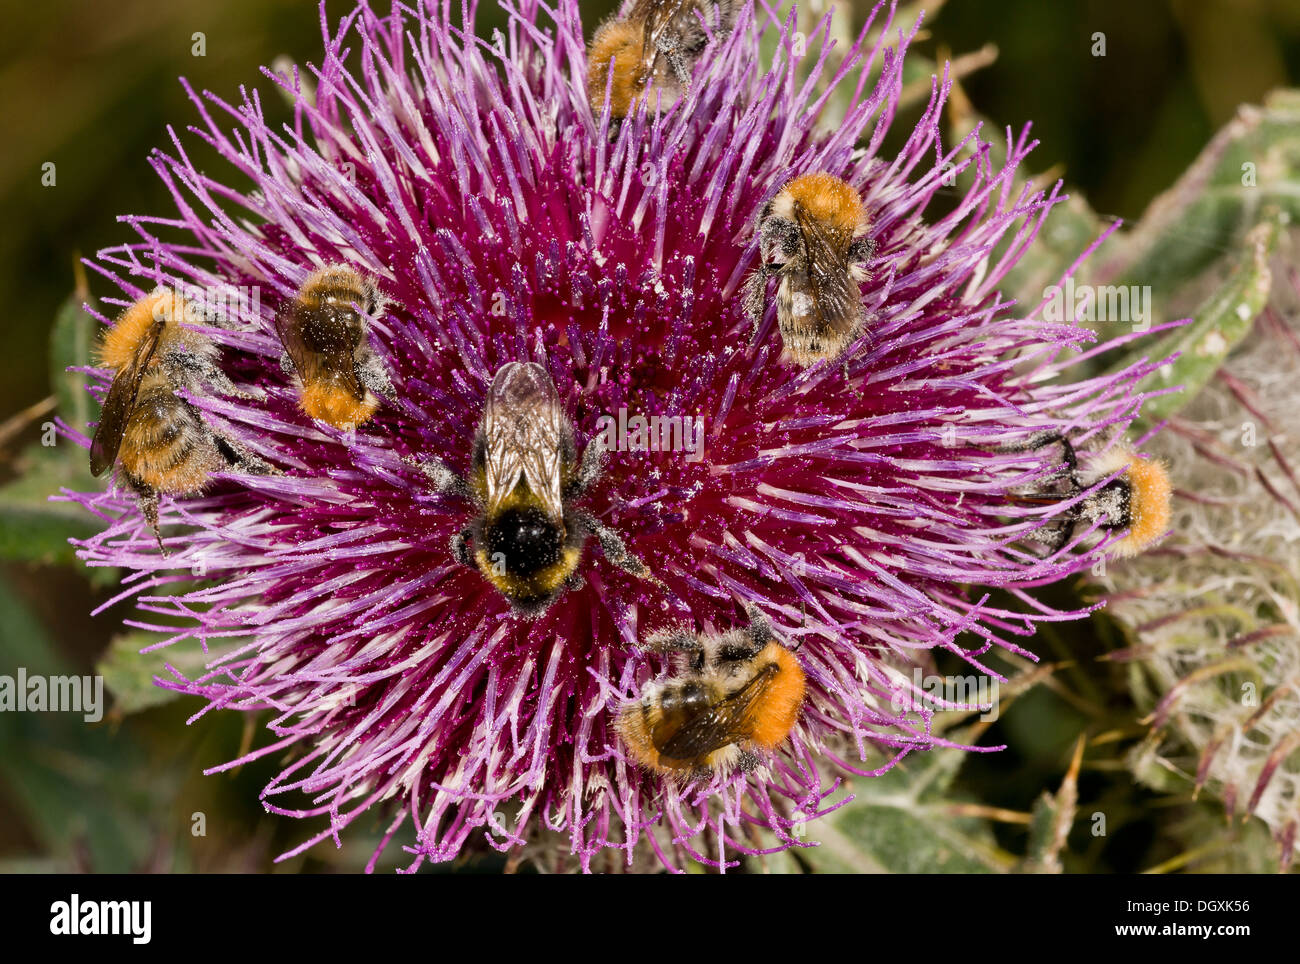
651,52
156,437
735,697
812,239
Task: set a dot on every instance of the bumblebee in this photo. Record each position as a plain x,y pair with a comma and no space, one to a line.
1137,499
735,697
325,334
812,239
524,477
159,439
659,42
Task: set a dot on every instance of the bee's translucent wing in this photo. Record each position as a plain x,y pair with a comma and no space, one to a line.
726,721
121,401
524,429
321,344
659,17
835,298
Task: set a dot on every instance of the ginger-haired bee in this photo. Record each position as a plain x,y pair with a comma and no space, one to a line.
658,42
159,439
1137,499
736,697
524,477
812,240
325,333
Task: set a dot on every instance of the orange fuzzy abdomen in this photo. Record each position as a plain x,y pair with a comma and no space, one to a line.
163,445
329,402
634,728
776,713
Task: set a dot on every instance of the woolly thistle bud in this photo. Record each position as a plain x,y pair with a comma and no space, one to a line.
1214,613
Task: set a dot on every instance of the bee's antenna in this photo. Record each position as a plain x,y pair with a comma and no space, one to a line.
803,621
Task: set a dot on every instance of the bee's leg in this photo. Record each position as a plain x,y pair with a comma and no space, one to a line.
700,774
726,19
147,499
286,364
678,639
857,344
1063,535
756,296
757,635
671,48
747,761
1057,533
1037,441
460,547
443,478
593,461
675,639
372,299
779,238
613,547
759,629
1042,439
856,390
206,370
372,374
240,458
803,621
861,251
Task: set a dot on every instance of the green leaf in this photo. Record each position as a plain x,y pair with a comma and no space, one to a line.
1221,321
34,529
129,674
1053,816
63,774
71,341
1191,236
39,535
902,822
1250,167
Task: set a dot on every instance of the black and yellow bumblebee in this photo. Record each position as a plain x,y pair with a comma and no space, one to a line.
524,477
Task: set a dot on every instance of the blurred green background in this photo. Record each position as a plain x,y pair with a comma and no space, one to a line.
91,87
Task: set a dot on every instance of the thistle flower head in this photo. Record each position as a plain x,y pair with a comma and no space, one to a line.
853,503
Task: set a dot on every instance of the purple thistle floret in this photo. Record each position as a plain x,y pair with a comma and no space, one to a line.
470,177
